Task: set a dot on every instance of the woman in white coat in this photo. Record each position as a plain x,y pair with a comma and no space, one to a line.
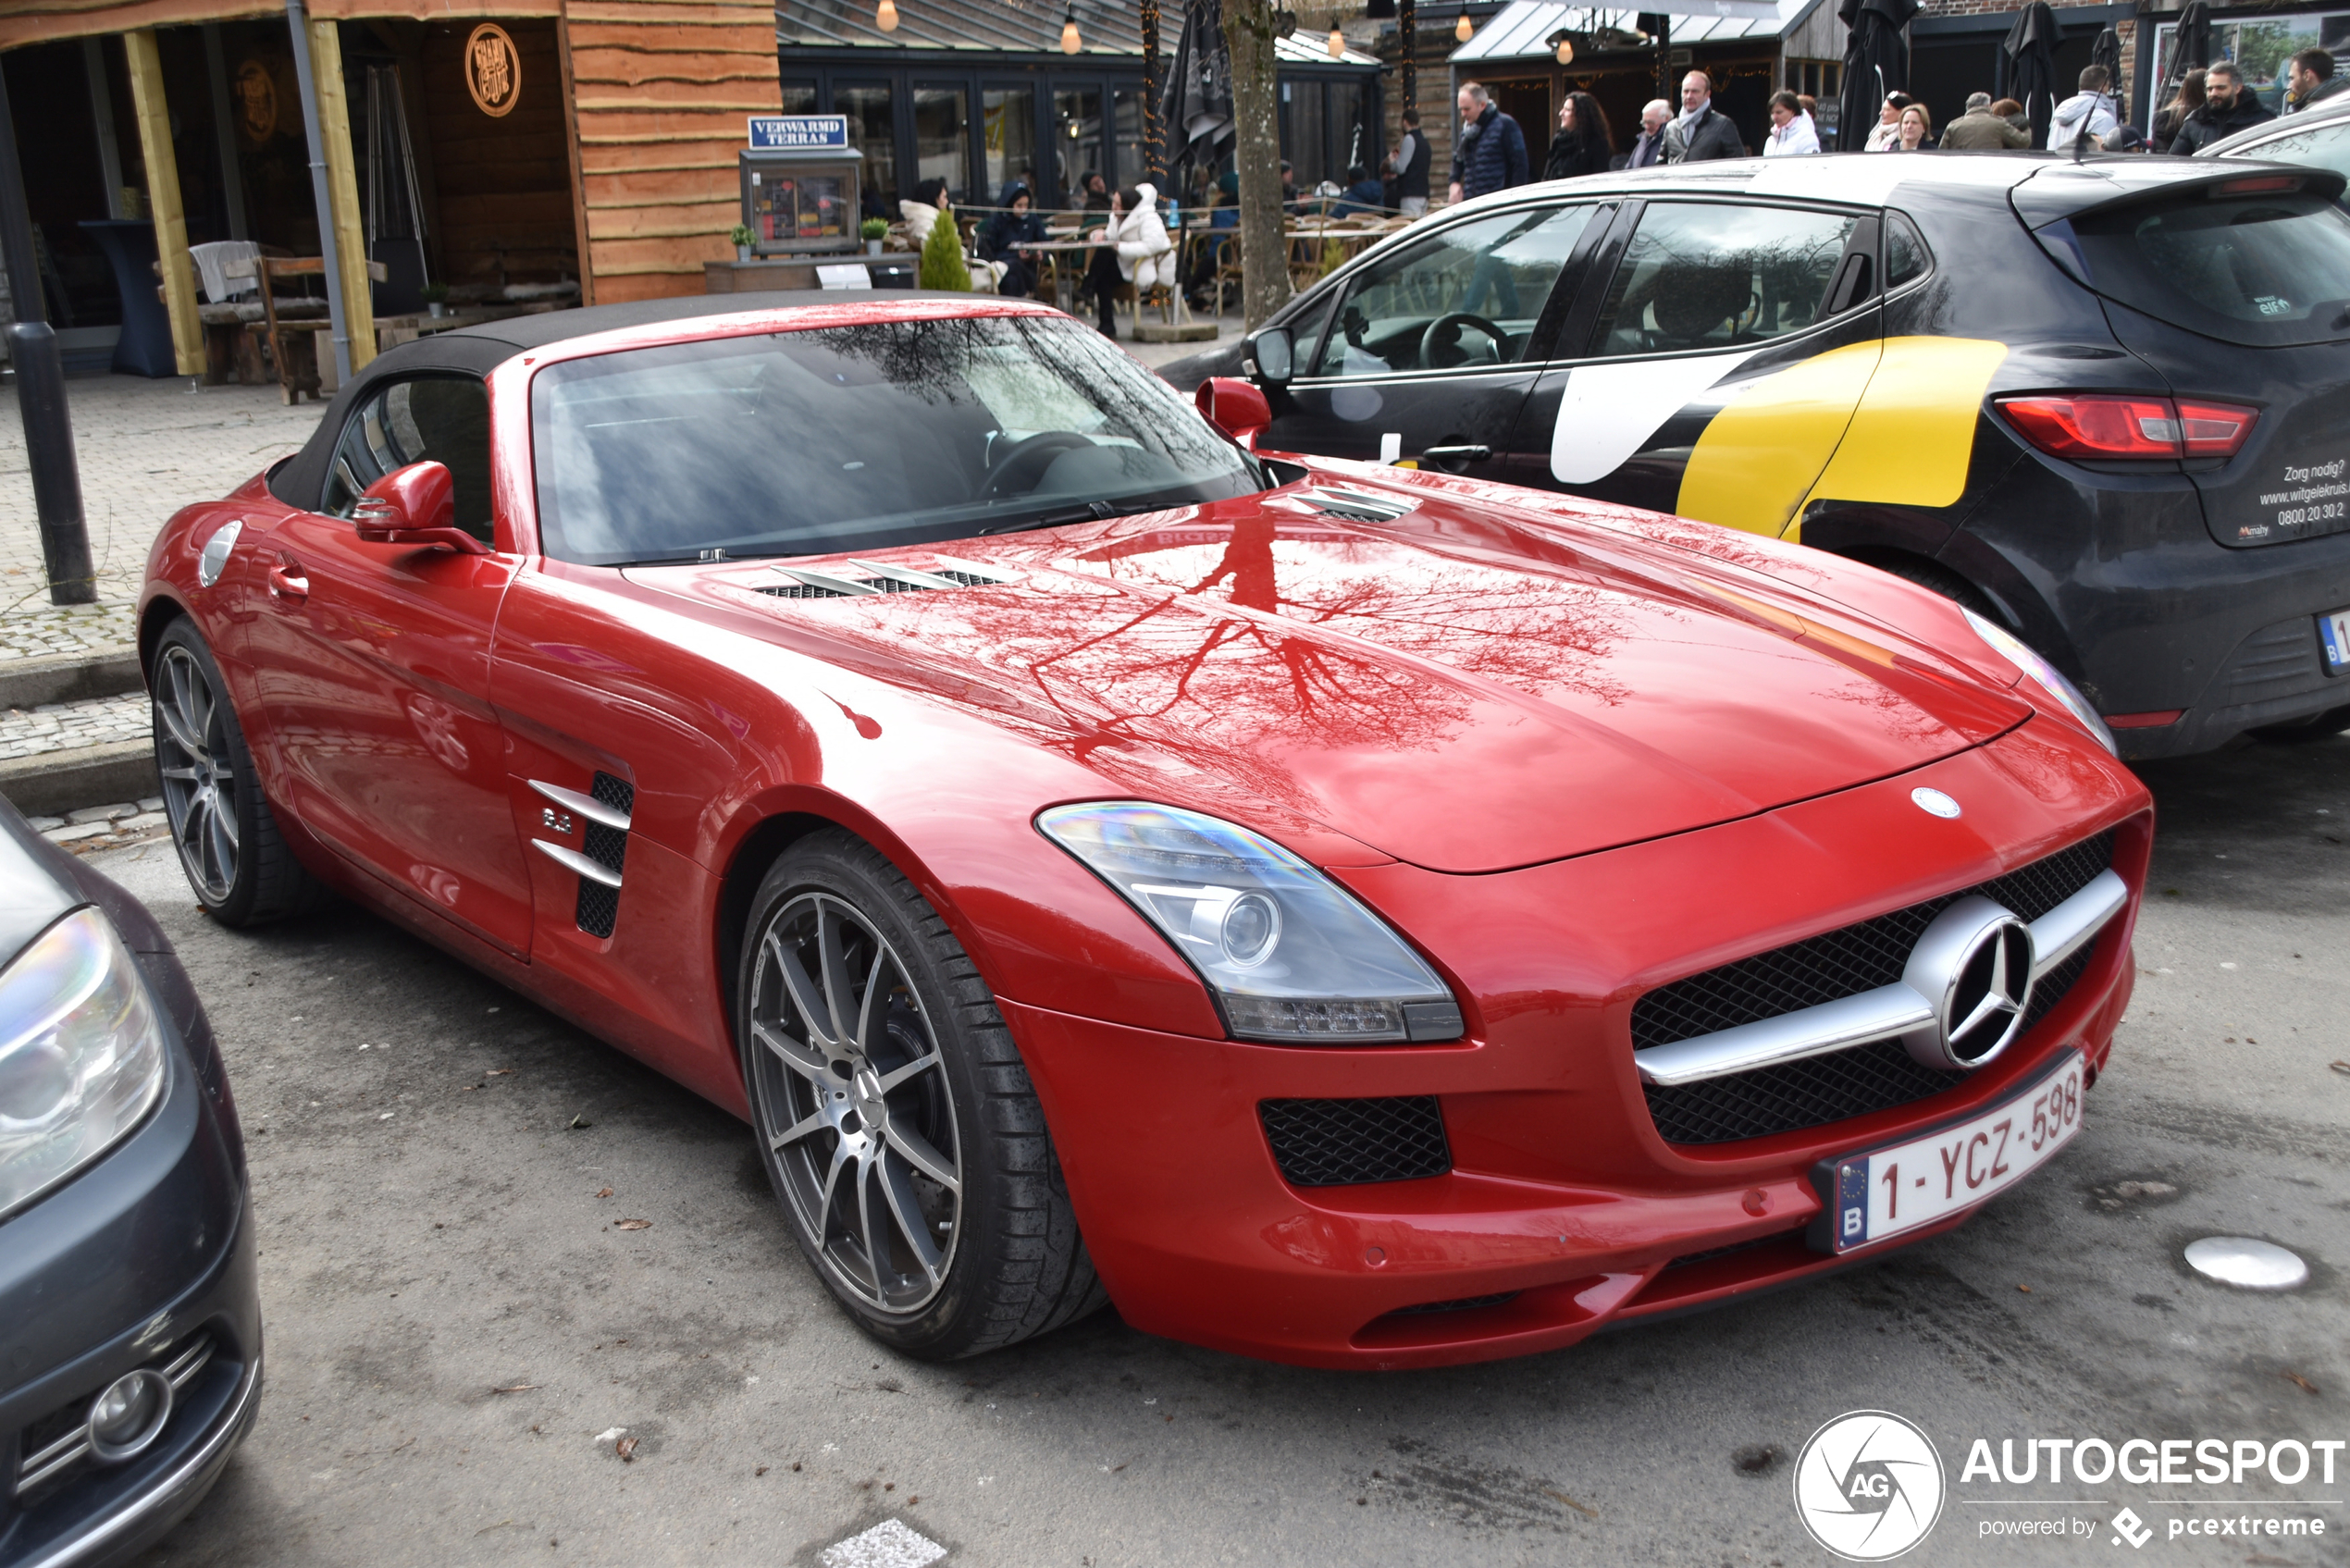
1133,248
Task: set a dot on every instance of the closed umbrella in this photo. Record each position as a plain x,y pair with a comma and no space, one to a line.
1195,101
2107,52
2191,43
2031,48
1876,61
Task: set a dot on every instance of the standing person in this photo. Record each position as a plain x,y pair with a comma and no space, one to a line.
1887,132
1792,132
1980,130
1700,135
1648,148
1490,153
2088,114
2229,106
1583,144
1915,133
2184,102
1410,160
2310,78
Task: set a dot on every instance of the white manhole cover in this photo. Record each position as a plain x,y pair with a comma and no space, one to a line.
2245,1262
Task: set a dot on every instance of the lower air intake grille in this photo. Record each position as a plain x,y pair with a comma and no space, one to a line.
1467,1304
1344,1143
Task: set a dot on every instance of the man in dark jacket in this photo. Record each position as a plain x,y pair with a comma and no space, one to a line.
2311,79
1410,161
2229,106
1648,148
1701,134
1490,153
1980,130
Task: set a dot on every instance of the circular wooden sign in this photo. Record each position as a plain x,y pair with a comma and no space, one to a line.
493,70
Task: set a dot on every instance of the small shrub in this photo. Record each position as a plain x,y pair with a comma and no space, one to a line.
943,266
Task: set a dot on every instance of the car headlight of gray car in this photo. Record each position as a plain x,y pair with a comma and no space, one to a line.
82,1053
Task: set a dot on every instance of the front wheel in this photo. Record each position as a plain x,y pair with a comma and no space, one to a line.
894,1116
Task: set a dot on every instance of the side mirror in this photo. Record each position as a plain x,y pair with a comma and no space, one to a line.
1273,353
1234,407
415,505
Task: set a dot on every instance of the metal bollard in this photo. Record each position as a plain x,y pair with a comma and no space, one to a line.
56,477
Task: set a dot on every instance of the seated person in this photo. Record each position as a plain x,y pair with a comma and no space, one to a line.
1363,193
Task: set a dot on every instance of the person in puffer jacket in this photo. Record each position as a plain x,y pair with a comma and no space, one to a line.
1133,248
2089,110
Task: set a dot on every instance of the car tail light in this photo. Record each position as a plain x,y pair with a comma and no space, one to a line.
2257,184
2114,424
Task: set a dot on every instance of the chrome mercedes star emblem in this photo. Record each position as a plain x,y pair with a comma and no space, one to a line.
1974,967
1933,802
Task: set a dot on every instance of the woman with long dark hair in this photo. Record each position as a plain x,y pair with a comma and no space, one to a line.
1583,144
2184,102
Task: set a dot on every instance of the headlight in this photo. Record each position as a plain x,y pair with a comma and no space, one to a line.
1289,954
2016,652
81,1054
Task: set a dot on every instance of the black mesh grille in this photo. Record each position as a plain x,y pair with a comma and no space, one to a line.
618,794
1733,1250
607,847
1341,1143
1467,1304
598,908
1847,962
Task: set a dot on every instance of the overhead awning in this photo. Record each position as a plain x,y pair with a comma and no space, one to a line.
1524,29
1106,26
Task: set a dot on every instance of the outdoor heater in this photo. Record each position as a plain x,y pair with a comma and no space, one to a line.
801,183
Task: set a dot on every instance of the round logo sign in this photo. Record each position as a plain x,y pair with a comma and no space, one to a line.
1868,1486
1934,802
493,70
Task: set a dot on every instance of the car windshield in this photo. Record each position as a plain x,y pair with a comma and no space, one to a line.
853,437
2261,270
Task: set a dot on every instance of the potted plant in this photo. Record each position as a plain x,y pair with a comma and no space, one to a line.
874,231
742,238
435,297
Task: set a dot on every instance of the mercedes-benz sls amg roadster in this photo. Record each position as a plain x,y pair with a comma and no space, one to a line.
1345,915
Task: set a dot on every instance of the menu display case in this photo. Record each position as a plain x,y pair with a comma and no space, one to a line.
802,200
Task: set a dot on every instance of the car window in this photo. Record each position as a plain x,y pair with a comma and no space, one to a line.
1470,296
2259,269
430,418
1710,275
1905,252
2323,146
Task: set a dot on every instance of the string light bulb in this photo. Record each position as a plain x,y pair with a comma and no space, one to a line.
1071,42
885,16
1338,41
1566,51
1462,30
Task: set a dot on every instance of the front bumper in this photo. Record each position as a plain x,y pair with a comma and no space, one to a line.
1561,1198
146,1259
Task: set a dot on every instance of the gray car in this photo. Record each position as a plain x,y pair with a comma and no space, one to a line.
2318,137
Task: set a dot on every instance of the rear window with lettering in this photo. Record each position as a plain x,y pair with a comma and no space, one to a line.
2261,270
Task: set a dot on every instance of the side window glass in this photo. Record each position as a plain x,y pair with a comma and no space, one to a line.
1905,254
1700,275
2326,146
441,418
1471,296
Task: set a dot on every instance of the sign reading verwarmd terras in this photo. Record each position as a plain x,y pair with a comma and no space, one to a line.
796,131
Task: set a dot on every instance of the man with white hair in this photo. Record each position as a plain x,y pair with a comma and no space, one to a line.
1649,149
1701,134
1489,153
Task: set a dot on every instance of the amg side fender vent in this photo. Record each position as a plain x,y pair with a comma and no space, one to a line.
1357,506
1345,1142
880,579
602,857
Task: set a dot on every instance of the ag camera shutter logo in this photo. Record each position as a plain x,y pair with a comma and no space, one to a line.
1868,1486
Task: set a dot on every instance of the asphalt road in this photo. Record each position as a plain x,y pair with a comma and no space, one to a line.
454,1318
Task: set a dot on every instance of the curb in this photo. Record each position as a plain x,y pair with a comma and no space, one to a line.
57,781
68,677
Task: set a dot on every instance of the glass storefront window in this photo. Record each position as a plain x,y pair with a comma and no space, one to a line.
1077,142
1307,160
1133,166
942,139
799,98
1010,116
1350,142
872,131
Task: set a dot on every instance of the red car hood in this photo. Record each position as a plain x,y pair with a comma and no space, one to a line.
1449,687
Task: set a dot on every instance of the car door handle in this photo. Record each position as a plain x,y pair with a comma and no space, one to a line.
1458,455
287,583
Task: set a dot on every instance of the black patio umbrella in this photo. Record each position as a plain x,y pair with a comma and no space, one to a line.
1195,100
1876,61
2191,43
2031,48
2107,52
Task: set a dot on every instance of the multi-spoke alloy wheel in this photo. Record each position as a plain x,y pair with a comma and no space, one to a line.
199,781
894,1114
229,841
850,1071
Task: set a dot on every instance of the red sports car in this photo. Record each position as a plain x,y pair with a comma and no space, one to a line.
1342,915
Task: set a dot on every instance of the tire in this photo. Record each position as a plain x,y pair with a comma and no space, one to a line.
904,1144
1941,580
229,843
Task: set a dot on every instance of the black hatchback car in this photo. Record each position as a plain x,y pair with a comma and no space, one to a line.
129,1322
2105,405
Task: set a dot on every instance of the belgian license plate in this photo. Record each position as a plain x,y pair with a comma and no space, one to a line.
2333,635
1884,1192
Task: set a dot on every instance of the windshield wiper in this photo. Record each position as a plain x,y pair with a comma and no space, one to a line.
1086,512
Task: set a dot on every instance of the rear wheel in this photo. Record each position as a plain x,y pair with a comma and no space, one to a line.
1941,580
229,844
894,1117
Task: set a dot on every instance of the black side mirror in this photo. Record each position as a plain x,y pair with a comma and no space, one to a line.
1271,355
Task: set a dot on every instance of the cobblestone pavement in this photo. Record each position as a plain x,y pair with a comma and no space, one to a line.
104,827
145,448
67,726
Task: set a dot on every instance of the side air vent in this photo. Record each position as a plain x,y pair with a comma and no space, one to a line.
604,815
1356,505
1345,1142
877,578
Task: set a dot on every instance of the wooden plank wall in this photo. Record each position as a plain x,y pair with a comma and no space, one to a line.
504,183
661,92
37,21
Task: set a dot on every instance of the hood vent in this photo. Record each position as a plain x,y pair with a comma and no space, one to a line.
1357,506
879,579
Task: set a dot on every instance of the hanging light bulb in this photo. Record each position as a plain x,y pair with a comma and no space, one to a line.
1071,42
1338,41
1462,30
885,16
1566,50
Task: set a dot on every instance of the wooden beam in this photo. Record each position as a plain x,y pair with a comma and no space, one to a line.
342,190
162,202
571,144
